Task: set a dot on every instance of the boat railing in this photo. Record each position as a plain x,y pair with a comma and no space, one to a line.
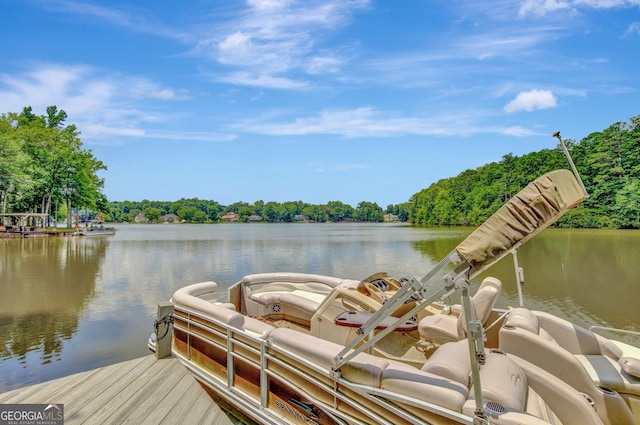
239,342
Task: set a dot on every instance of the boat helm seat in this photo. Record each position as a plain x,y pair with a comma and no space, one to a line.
590,363
450,325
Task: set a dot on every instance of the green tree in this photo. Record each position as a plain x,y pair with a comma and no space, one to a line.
200,217
14,163
186,213
628,204
338,211
369,211
51,155
317,213
153,214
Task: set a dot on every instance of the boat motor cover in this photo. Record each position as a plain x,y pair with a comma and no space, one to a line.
535,207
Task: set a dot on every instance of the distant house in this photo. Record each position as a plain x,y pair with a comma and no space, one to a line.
169,218
230,217
255,218
391,217
140,218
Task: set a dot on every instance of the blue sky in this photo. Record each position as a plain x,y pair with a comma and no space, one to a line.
349,100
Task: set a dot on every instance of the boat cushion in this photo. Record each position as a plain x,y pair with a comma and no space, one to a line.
363,369
295,295
537,406
503,381
630,365
440,327
524,319
409,381
298,306
257,327
189,297
606,372
451,361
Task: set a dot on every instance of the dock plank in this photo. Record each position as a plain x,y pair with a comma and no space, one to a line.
142,391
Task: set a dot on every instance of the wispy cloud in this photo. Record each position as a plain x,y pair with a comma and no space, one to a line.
373,123
541,8
131,20
104,107
634,28
531,101
274,44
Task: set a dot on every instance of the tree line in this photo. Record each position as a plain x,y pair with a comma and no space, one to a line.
608,162
45,169
196,210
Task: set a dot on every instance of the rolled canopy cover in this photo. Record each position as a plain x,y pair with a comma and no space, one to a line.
535,207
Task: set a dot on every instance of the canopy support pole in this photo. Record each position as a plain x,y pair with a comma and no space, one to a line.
519,274
475,339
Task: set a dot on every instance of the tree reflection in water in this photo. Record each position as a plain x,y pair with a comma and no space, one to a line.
45,285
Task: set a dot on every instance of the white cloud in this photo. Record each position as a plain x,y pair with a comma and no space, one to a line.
540,8
262,81
235,49
104,107
633,28
374,123
531,101
274,38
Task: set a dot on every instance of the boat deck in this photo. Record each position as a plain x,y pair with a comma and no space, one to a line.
139,391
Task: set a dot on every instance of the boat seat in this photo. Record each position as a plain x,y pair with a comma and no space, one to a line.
409,381
450,325
257,327
451,360
192,296
584,360
503,380
514,384
293,296
363,369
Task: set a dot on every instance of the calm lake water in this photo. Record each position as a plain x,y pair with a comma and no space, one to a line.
74,304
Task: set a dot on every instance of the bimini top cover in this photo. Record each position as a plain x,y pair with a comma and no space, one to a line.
535,207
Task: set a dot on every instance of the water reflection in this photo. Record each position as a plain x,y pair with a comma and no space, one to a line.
73,304
590,276
45,285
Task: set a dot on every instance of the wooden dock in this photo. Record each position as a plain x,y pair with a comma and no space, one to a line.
139,391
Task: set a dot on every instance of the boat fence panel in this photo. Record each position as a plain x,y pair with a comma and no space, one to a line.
274,380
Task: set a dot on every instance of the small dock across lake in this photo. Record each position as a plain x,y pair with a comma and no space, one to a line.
139,391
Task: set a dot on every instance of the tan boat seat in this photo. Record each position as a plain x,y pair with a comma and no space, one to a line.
513,390
450,326
451,360
191,297
586,361
362,369
257,327
504,381
409,381
293,296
